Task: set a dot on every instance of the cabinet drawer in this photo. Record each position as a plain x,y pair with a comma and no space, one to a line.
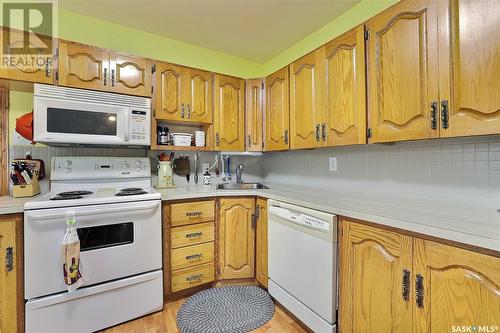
191,212
192,255
193,276
192,234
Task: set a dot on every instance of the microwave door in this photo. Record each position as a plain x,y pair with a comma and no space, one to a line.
76,122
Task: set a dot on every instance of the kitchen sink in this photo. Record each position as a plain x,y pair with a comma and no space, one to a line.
241,186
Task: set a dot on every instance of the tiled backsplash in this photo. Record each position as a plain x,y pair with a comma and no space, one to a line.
463,165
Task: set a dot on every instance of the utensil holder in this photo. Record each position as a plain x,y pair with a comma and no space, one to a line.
26,190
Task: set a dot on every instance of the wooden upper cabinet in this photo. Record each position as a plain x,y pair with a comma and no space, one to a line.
229,117
254,111
130,75
236,238
403,72
277,113
307,100
11,274
261,248
83,66
460,288
469,66
373,263
32,64
197,95
169,80
344,121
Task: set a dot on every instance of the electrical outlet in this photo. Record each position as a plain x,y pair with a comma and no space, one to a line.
205,166
332,163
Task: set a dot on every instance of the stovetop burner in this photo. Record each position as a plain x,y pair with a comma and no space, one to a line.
131,191
66,197
73,193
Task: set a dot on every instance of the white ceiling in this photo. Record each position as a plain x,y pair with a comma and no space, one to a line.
253,29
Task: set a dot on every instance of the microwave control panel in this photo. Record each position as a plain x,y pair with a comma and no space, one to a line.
139,126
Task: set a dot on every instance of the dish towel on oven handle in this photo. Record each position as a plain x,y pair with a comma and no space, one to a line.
71,265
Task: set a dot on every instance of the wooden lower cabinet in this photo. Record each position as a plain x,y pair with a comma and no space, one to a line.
236,238
11,274
390,282
460,288
261,243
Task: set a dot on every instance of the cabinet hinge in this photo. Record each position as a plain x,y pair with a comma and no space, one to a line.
151,89
57,52
262,85
153,69
57,75
369,133
367,34
218,271
262,145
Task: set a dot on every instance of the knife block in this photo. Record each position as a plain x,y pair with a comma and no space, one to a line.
26,190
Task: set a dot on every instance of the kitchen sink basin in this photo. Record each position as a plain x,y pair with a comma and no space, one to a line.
241,186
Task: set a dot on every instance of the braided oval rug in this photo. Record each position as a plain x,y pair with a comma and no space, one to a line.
229,309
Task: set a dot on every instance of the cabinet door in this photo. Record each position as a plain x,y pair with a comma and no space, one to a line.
130,75
460,288
306,100
254,100
168,92
277,123
11,274
197,95
236,238
469,66
403,72
33,63
373,264
229,113
83,66
344,121
261,243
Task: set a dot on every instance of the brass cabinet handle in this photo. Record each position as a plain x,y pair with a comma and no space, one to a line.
194,214
9,259
217,139
434,106
286,136
195,277
105,77
182,110
249,140
194,256
323,131
317,132
188,106
419,290
406,285
194,235
255,216
445,117
113,77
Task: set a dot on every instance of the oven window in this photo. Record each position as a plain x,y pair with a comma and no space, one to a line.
81,122
92,238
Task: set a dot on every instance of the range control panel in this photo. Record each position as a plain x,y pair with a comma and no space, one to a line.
63,168
300,218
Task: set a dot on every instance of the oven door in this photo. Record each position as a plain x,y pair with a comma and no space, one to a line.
116,241
67,121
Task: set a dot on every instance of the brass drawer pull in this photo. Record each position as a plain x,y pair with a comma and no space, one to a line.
419,290
194,235
194,214
9,259
406,285
194,257
196,277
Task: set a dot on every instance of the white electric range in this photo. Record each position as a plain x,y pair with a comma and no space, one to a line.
118,218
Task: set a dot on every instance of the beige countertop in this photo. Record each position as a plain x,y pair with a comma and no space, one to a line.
472,221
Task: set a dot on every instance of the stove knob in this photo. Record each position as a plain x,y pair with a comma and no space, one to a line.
67,169
139,165
125,165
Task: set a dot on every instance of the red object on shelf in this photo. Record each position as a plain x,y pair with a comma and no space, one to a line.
24,126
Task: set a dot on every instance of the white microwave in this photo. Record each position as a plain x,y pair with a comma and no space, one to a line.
67,116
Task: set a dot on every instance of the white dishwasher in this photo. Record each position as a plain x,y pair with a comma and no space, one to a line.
303,263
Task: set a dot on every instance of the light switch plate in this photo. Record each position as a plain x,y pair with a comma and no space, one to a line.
332,163
205,166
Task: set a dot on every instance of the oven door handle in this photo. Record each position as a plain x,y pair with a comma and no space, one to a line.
127,125
94,211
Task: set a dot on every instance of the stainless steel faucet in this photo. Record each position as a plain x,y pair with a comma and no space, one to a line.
239,171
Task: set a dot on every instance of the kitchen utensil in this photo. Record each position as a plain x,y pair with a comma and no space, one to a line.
196,162
228,168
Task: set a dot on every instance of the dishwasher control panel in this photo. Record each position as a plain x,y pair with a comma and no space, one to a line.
300,218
